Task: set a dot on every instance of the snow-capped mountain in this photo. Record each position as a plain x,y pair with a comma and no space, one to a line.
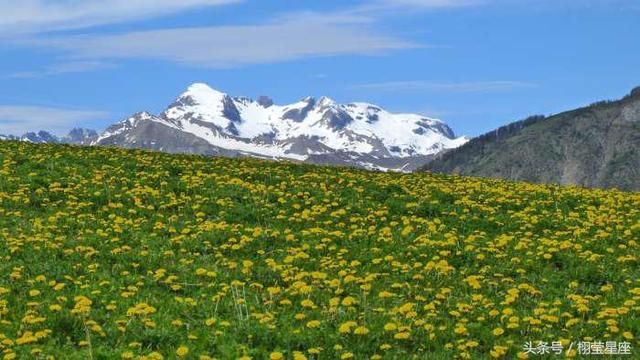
206,121
80,136
76,136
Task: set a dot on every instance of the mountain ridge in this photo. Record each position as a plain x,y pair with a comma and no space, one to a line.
592,146
203,120
77,136
211,114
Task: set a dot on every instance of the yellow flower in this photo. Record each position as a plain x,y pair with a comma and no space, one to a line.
498,351
307,303
155,356
460,330
347,326
348,301
182,351
361,330
276,355
313,324
390,327
58,287
402,335
34,292
297,355
498,331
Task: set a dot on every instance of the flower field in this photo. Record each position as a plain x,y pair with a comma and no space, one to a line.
109,254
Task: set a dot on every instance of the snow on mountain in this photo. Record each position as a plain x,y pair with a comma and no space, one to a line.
319,129
128,124
41,137
78,136
203,120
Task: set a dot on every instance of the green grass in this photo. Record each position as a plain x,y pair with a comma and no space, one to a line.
109,253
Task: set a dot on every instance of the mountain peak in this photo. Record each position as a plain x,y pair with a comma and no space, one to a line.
326,101
39,137
205,120
201,93
201,87
143,115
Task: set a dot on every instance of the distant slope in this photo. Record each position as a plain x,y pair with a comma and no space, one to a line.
595,146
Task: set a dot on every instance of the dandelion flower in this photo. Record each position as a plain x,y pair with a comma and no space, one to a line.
276,355
182,351
313,324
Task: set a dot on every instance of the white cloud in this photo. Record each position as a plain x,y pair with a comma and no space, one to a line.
16,120
42,15
431,4
290,38
64,68
393,7
460,87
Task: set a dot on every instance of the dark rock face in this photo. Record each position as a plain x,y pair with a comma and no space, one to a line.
337,119
230,111
439,127
41,137
80,136
140,133
373,118
232,129
349,159
183,101
298,115
596,146
306,145
265,101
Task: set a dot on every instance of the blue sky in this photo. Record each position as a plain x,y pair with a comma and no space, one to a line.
476,64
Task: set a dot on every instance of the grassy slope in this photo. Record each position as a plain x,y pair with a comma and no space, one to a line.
594,146
108,253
